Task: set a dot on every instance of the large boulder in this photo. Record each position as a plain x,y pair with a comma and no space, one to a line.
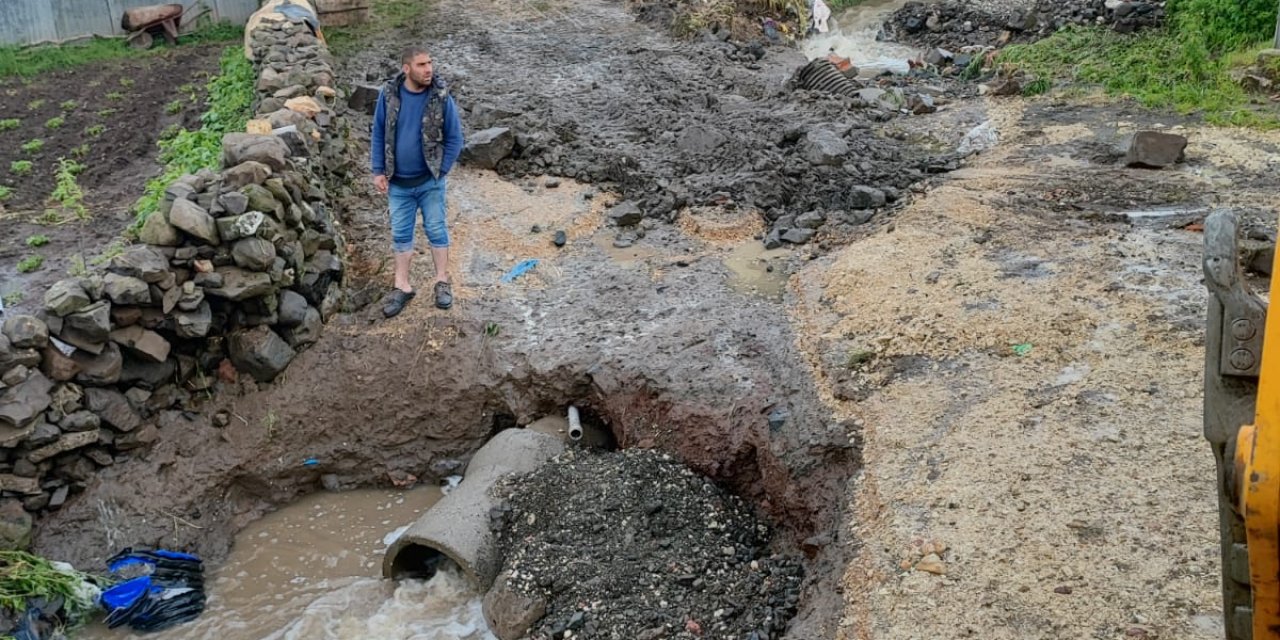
245,173
156,230
260,353
238,284
113,408
65,297
15,526
88,327
253,253
863,197
1155,150
125,290
193,219
245,147
24,402
142,342
487,148
142,262
26,332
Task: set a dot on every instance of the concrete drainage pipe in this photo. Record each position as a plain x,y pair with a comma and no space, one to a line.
457,527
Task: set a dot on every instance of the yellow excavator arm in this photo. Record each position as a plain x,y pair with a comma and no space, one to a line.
1242,424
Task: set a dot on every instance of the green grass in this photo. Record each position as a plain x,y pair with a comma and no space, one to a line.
35,104
67,191
95,130
384,15
81,152
115,95
13,297
173,107
69,105
5,193
24,576
28,62
27,265
230,102
38,240
33,146
1185,66
55,122
20,167
9,124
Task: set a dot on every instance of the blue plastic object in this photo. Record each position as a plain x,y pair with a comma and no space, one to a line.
126,593
520,269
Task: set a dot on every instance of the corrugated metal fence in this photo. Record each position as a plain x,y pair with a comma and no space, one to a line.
35,21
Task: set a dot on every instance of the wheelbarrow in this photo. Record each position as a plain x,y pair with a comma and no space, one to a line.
142,22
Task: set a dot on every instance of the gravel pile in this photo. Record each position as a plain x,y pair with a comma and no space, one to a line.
955,24
635,546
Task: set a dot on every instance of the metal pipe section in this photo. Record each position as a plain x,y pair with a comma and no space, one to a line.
575,424
457,527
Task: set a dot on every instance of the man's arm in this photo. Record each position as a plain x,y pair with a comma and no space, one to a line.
377,145
453,141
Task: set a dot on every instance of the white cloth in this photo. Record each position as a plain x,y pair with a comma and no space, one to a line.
821,14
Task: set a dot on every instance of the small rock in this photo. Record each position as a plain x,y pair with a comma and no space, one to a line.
559,239
43,434
1064,590
68,442
238,284
142,437
253,253
364,99
234,202
920,104
810,220
931,563
863,197
307,331
99,369
59,497
798,235
292,308
509,613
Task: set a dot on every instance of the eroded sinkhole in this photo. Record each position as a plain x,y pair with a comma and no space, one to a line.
572,538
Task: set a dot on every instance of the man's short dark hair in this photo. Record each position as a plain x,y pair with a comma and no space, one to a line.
412,51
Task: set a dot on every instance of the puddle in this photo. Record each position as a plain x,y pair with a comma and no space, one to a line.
749,272
313,570
853,35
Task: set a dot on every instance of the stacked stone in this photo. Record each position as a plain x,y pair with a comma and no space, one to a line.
956,24
236,272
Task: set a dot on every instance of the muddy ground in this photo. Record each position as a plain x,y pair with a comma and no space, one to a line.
112,113
947,485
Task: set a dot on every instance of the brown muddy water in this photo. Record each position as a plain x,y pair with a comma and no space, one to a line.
853,35
313,570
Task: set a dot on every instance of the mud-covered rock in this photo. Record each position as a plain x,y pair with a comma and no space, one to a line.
102,368
113,408
626,214
510,613
653,545
125,290
141,262
307,331
15,526
824,147
142,342
89,327
260,353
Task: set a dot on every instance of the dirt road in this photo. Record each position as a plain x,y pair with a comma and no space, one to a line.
982,414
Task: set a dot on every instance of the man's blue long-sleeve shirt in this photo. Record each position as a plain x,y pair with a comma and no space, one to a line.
410,162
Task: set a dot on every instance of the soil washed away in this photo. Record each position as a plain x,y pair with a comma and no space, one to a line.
311,570
596,539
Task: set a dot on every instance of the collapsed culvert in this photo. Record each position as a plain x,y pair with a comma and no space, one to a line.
571,540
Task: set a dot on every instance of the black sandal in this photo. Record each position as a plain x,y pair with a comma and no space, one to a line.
396,304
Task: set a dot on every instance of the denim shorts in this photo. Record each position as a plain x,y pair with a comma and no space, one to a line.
427,197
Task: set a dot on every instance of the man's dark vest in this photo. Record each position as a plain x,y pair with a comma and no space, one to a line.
432,123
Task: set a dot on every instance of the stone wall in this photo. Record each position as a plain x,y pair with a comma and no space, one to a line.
234,274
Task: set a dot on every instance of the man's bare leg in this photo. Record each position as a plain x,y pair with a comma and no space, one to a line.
440,256
403,261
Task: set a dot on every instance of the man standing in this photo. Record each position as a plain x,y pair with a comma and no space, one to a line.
416,138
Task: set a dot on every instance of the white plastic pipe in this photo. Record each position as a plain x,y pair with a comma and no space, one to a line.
575,424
